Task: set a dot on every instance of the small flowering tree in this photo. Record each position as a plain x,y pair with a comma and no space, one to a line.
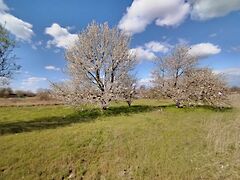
7,64
178,78
202,86
98,64
128,90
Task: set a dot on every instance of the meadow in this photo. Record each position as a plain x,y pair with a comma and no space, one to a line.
150,140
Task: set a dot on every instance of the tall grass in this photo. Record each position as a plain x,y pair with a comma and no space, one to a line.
223,142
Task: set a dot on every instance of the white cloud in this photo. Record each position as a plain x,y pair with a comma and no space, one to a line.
232,75
143,54
203,50
21,29
236,48
33,80
175,16
143,12
56,51
213,35
61,37
164,37
53,68
183,41
69,28
145,81
3,6
157,46
33,83
207,9
149,50
229,71
36,45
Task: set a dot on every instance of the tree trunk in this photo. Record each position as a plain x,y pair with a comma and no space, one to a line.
129,103
104,107
178,104
104,104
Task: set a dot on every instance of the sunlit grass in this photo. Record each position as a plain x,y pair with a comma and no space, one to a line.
151,140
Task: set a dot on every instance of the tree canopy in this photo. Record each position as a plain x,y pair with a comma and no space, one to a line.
7,58
98,64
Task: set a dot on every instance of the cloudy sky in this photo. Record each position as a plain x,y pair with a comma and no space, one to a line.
43,29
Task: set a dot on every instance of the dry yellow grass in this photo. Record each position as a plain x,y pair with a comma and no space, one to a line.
223,143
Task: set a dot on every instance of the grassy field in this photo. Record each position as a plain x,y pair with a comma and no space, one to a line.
150,140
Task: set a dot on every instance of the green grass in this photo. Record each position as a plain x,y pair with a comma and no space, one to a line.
151,140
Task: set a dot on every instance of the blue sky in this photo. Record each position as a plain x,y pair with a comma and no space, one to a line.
43,29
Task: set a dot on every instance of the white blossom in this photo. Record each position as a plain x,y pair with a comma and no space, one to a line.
97,64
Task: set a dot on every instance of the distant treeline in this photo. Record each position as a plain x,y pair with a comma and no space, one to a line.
43,94
8,92
235,89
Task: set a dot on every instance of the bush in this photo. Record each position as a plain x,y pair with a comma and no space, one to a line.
21,94
6,92
235,89
44,94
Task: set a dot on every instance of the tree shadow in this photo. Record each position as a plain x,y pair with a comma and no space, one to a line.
216,108
87,115
210,108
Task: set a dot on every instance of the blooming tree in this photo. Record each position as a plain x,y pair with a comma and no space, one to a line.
128,91
177,77
98,64
7,64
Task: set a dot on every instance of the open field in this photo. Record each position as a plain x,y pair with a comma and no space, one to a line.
150,140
